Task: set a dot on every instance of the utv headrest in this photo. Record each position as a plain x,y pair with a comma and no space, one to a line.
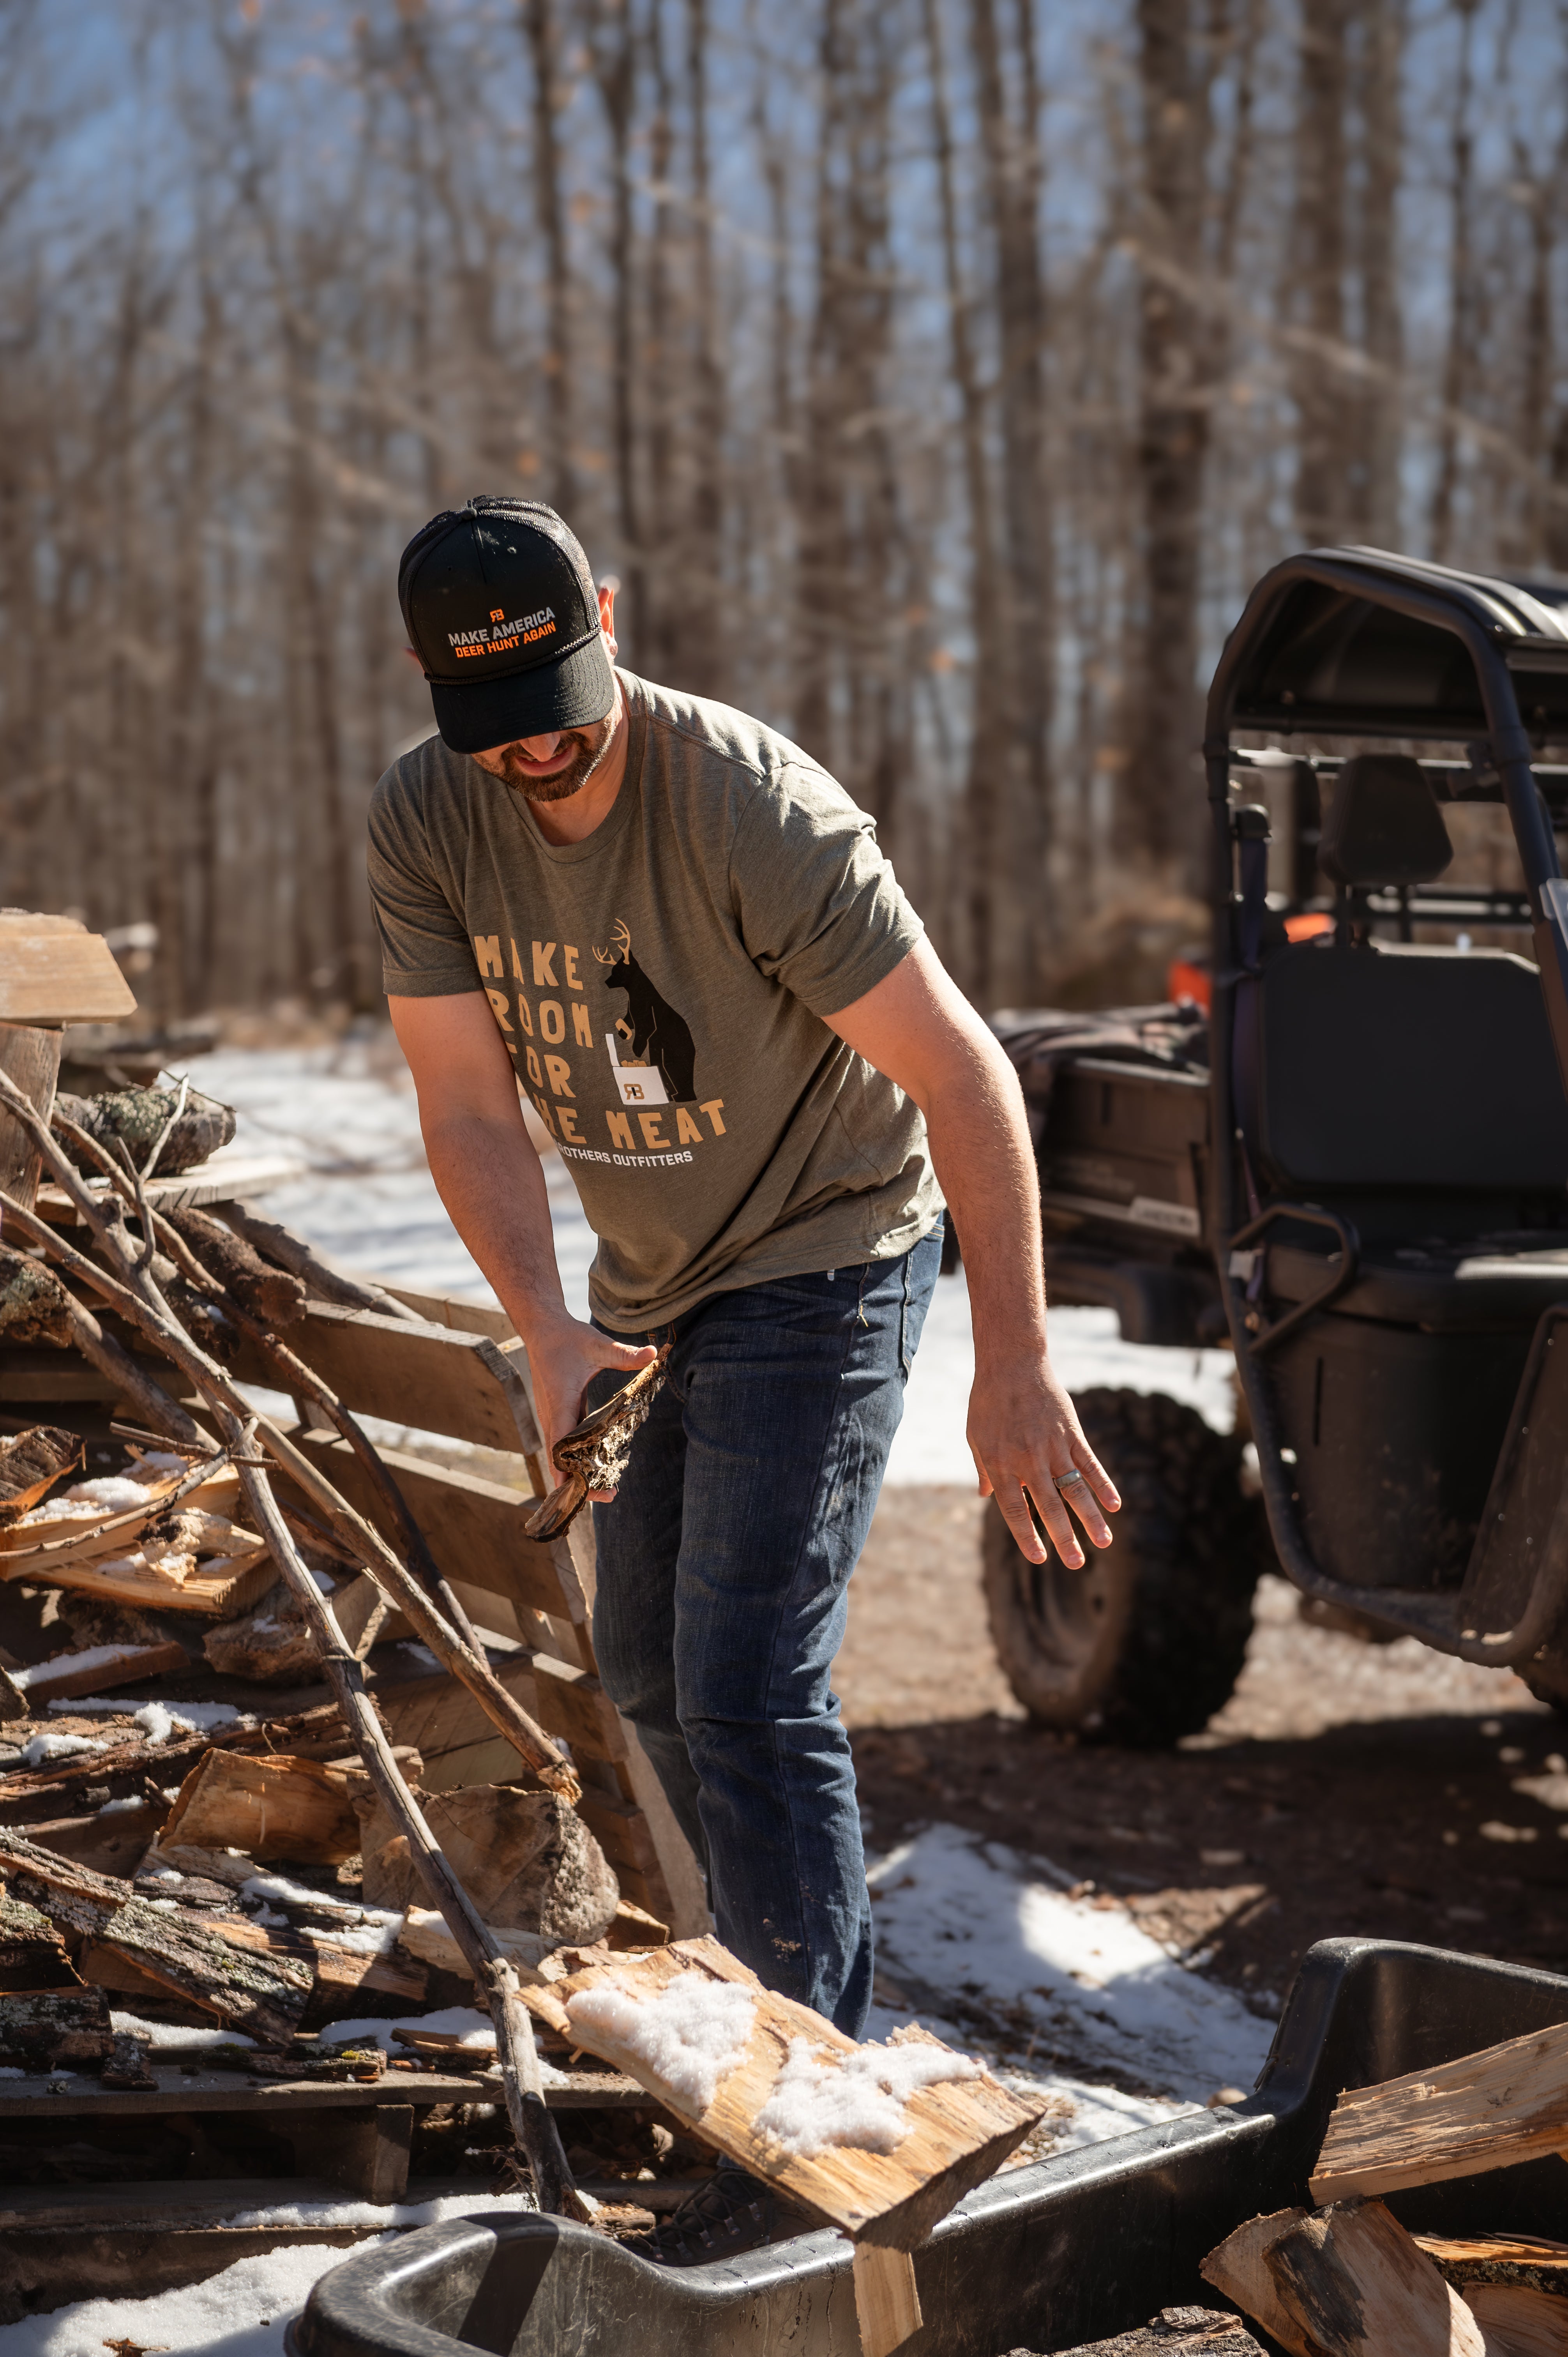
1383,824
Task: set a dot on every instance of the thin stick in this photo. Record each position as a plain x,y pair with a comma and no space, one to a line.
162,1139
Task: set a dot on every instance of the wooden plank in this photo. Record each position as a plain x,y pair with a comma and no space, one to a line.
52,1682
437,1715
58,972
886,2304
445,1309
232,1170
210,2090
428,1377
218,1588
30,1059
622,1832
366,2151
473,1527
573,1703
1489,2110
955,2132
101,1531
1346,2279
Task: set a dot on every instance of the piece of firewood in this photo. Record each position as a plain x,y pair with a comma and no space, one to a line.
302,1260
269,1294
47,2028
886,2303
34,1307
1342,2282
1177,2332
272,1646
1516,2320
30,1465
126,2064
76,1675
1489,2110
955,2132
593,1455
32,1953
526,1860
273,1808
110,1532
263,1994
424,1935
1464,2260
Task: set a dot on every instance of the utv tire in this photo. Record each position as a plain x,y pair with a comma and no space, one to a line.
1146,1643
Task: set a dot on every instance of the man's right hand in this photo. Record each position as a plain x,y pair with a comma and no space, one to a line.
563,1357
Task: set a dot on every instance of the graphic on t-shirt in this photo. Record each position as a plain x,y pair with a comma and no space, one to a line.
658,1038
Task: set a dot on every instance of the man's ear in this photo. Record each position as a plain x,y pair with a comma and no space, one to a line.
607,588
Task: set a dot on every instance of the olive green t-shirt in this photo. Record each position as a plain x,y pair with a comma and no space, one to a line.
661,988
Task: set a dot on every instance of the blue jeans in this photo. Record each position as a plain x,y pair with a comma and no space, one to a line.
724,1567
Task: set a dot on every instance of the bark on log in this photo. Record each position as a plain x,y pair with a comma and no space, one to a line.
314,1272
32,1953
269,1294
31,1464
54,2026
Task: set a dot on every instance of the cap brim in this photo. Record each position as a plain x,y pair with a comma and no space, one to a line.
570,693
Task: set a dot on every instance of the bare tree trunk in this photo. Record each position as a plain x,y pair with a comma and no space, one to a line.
539,16
1159,811
1329,489
1461,290
615,63
1382,33
705,657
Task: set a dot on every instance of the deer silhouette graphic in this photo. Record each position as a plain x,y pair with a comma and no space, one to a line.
658,1035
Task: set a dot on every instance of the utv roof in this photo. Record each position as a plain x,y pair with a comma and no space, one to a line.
1357,642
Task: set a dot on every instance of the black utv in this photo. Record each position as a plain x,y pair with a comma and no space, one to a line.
1353,1167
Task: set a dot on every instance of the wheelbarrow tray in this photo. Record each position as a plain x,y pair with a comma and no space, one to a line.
1046,2257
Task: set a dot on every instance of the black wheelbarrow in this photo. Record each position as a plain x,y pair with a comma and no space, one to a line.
1063,2252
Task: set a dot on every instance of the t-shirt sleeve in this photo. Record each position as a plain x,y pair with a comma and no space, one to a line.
425,953
819,908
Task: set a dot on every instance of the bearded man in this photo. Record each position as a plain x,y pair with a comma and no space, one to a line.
669,927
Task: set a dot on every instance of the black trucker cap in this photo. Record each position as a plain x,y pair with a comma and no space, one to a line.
500,610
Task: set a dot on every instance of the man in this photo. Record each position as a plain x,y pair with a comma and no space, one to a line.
669,927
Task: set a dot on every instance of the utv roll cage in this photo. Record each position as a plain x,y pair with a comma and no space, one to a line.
1364,1152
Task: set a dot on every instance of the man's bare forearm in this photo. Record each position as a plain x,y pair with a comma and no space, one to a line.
487,1174
980,1149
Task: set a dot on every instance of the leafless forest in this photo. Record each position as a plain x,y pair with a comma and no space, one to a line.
935,374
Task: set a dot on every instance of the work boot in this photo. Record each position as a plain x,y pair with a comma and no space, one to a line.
732,2213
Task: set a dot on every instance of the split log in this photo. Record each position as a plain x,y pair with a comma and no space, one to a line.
32,1953
263,1995
366,1618
31,1464
1518,2322
1489,2110
125,2065
886,2303
342,1977
192,1126
1179,2332
956,2133
1497,2259
315,1271
51,2026
269,1294
527,1862
270,1647
32,1794
109,1840
1346,2279
103,1531
175,1578
273,1808
424,1935
34,1307
100,1670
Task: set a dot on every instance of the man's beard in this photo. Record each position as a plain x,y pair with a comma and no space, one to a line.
589,748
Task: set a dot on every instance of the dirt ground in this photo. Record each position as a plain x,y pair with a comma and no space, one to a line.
1344,1789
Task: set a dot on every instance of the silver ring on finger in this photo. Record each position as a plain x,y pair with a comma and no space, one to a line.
1073,1480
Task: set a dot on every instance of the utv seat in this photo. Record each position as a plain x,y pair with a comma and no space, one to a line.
1423,1072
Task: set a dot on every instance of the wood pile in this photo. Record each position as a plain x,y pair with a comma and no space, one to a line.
1347,2279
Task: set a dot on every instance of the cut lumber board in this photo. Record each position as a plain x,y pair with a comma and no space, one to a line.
473,1527
886,2304
275,1807
219,1587
958,2132
263,1995
228,2090
1346,2281
1516,2320
1489,2110
127,1666
573,1703
232,1170
58,972
30,1059
444,1309
428,1377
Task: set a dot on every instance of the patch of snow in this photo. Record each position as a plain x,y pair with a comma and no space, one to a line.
953,1912
12,2070
377,2213
111,1494
171,2034
460,2021
857,2100
118,1808
243,2312
154,1463
687,2037
93,1659
39,1750
157,1720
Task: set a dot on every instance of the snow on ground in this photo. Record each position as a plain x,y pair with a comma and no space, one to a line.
348,1114
957,1913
